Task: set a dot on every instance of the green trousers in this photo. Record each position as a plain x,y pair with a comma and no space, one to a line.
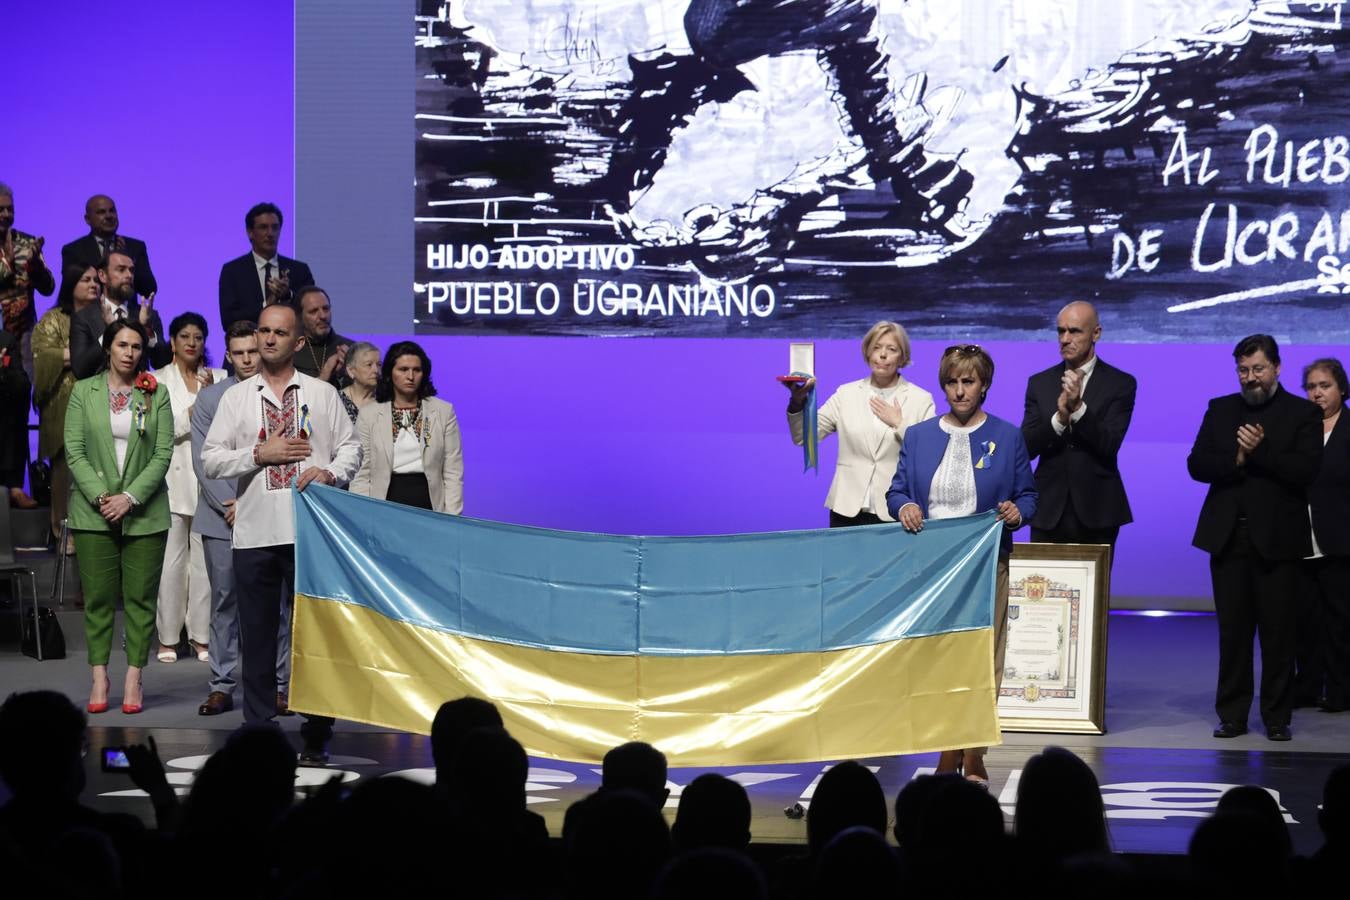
113,564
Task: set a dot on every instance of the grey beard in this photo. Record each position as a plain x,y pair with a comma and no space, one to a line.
1255,395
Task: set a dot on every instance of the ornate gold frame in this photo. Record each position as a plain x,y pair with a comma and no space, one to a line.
1099,556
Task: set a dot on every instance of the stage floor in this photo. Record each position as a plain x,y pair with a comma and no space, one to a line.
1159,768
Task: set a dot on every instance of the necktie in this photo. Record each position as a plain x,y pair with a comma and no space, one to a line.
267,276
121,312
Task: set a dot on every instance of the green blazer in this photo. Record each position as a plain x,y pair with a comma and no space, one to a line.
93,460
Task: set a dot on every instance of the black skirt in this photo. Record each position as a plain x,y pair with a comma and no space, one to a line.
410,489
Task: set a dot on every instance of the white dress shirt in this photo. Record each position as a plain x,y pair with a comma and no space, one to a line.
261,265
264,516
1087,369
113,310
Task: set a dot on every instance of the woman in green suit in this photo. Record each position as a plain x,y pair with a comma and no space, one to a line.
119,443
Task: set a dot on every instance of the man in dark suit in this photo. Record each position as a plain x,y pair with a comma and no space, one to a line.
101,214
118,277
1258,450
260,277
1075,419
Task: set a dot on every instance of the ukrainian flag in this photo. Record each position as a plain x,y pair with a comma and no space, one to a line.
726,650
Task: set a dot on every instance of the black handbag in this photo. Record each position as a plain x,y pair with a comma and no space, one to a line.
40,482
47,635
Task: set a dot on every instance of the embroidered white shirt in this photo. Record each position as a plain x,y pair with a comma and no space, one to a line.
263,517
952,492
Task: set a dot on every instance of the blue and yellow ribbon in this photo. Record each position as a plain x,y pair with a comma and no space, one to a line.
986,459
810,432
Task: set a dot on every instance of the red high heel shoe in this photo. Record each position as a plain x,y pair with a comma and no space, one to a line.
132,709
101,707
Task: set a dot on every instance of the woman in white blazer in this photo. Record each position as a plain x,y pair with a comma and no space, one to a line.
870,416
410,449
184,592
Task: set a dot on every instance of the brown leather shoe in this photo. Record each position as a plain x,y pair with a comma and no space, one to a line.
19,499
283,706
217,702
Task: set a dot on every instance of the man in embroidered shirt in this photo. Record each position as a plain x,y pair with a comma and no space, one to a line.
277,430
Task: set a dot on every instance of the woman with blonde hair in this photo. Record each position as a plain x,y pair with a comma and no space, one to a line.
871,416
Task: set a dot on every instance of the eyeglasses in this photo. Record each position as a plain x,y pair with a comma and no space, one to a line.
962,348
1257,370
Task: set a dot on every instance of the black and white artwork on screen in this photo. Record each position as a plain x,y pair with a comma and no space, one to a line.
803,168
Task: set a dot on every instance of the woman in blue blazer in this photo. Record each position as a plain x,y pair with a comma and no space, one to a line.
960,464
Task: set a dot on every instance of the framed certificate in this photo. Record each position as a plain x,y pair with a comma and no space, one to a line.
1054,671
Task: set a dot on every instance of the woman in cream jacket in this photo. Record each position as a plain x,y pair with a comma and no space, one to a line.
410,449
870,416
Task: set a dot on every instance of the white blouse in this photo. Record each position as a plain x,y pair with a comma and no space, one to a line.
121,434
407,453
952,492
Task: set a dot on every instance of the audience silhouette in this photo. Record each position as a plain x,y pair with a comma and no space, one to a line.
1059,809
714,811
472,835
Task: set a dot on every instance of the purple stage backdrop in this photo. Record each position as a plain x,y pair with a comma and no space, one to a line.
184,117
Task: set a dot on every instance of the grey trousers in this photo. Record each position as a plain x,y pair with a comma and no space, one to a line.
225,622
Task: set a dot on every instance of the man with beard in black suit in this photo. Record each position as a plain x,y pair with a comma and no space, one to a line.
1258,450
117,275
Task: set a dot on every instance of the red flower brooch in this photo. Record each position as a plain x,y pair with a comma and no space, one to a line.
146,382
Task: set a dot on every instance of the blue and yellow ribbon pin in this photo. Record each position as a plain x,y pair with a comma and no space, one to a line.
987,460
